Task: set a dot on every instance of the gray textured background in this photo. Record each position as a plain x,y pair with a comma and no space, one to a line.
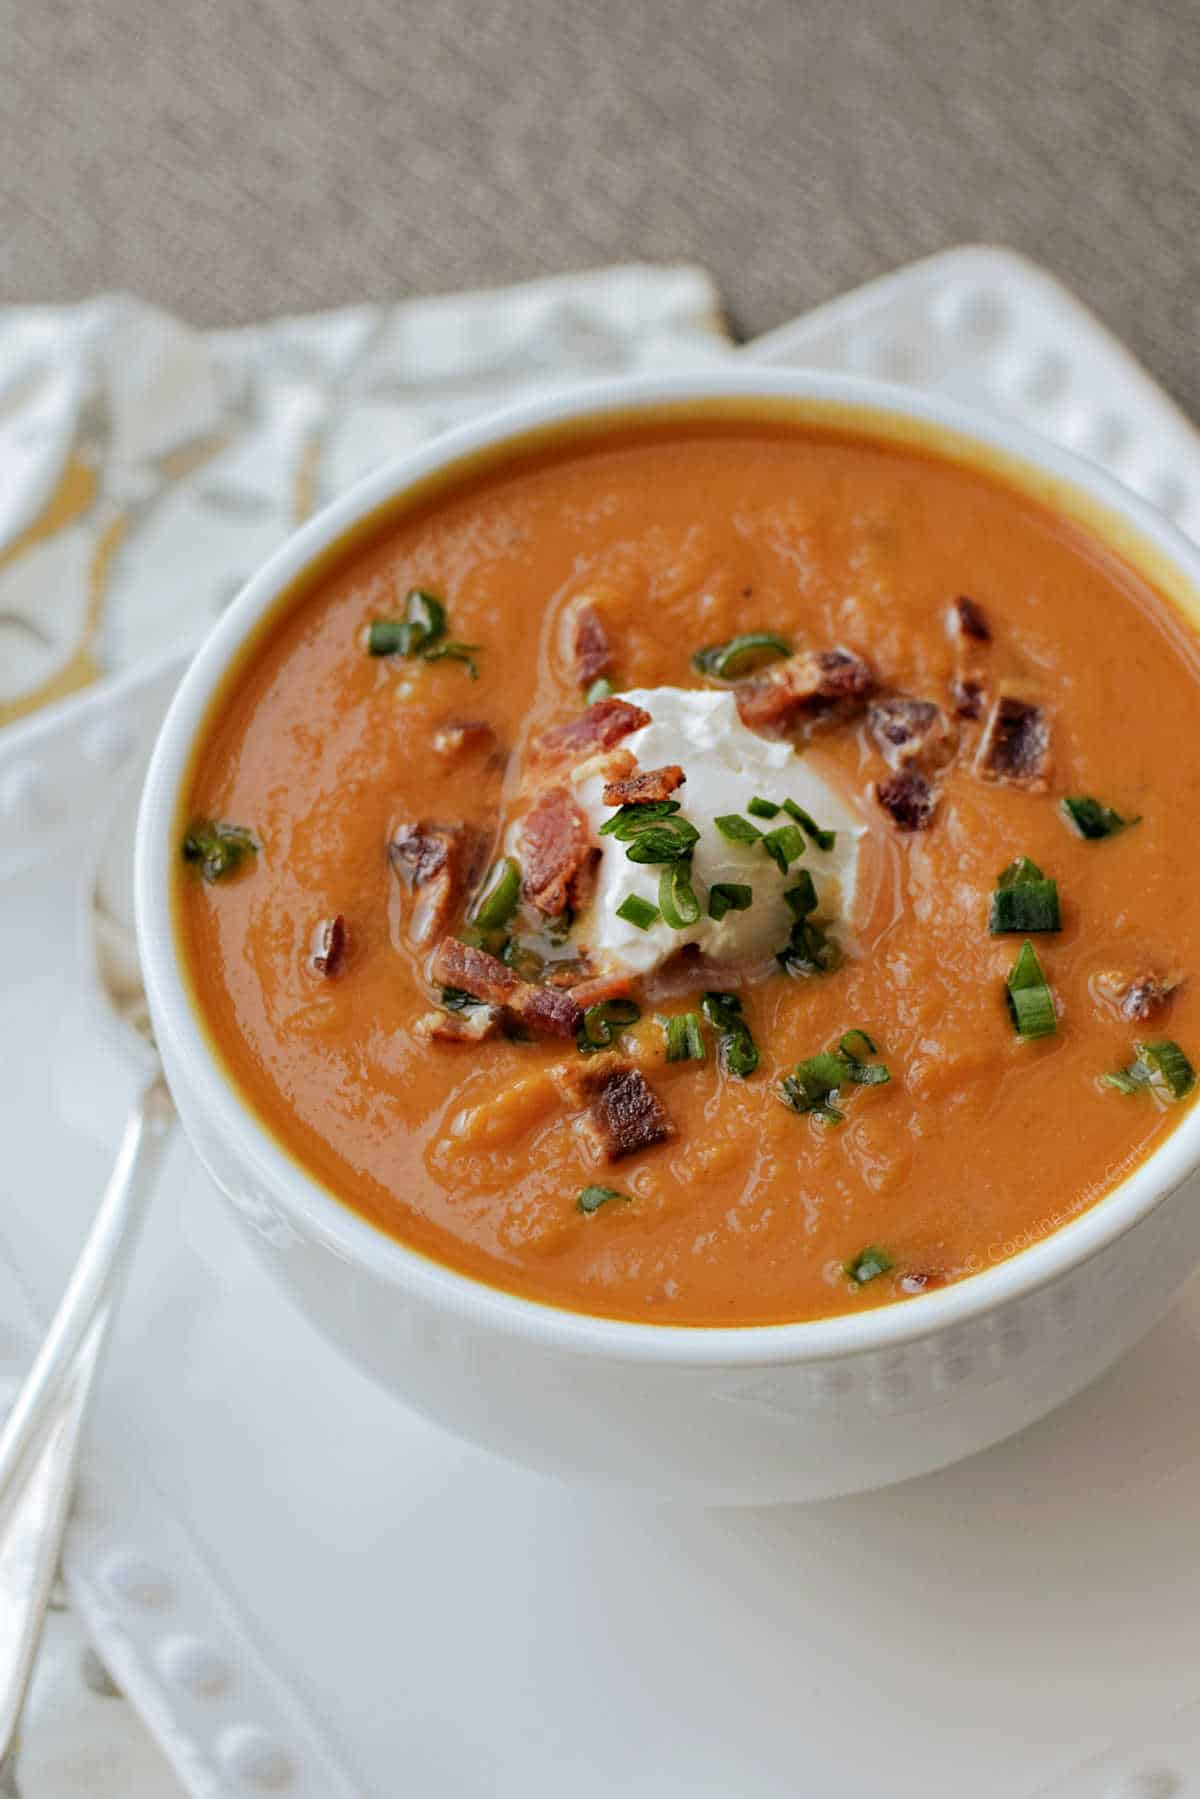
233,158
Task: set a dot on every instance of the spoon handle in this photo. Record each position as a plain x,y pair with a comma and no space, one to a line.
40,1440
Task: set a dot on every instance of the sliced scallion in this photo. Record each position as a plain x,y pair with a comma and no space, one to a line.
421,632
603,1022
824,840
500,896
666,840
1169,1066
802,898
1030,1001
760,808
677,900
728,896
684,1038
736,829
738,1051
868,1264
784,845
627,821
729,661
1024,901
637,911
1092,819
455,652
814,1086
215,849
592,1198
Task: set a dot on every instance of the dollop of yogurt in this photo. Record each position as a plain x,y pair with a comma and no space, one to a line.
726,766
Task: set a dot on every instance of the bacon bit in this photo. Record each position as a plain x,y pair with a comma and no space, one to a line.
329,946
1137,997
462,737
591,990
912,733
654,784
609,765
1015,747
908,799
475,1026
599,728
436,862
544,1009
587,648
831,684
623,1113
557,853
970,632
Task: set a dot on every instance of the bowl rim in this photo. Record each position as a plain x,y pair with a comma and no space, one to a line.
1011,451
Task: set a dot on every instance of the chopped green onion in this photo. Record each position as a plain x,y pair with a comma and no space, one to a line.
592,1198
627,821
523,960
802,898
759,808
667,840
455,652
602,1023
454,999
500,897
727,661
814,1085
425,613
677,897
737,830
728,896
824,840
1123,1082
808,950
1030,1001
867,1265
685,1039
217,850
784,845
389,637
1092,819
1024,901
739,1054
600,689
635,910
1169,1066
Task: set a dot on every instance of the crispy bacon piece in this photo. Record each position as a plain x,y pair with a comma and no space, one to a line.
557,853
652,784
589,990
545,1009
908,799
815,684
458,738
585,641
474,1026
623,1113
1137,997
599,728
329,945
971,634
437,863
1015,747
911,733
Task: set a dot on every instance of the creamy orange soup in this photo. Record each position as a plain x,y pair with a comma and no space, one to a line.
867,1113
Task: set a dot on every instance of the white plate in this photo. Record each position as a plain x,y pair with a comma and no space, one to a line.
310,1592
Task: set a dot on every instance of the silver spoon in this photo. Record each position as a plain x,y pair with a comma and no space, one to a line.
39,1442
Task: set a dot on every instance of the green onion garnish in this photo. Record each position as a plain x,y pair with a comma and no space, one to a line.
455,652
1092,819
867,1265
784,845
737,830
802,898
420,633
217,850
600,689
1024,901
808,950
602,1023
454,999
728,896
728,661
1162,1065
627,821
500,895
1030,1001
635,910
592,1198
739,1054
814,1085
760,808
685,1039
824,840
666,840
677,897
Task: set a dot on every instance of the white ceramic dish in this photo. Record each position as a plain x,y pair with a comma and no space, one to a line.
309,1591
744,1415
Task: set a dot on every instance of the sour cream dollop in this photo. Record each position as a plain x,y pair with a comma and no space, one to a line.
726,766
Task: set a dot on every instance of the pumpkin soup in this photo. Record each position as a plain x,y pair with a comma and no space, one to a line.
711,874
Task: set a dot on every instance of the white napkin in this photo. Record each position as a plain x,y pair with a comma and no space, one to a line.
147,468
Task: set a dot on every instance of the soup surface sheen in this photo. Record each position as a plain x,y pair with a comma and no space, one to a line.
476,1152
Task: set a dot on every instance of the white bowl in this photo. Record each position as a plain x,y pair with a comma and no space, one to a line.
751,1414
